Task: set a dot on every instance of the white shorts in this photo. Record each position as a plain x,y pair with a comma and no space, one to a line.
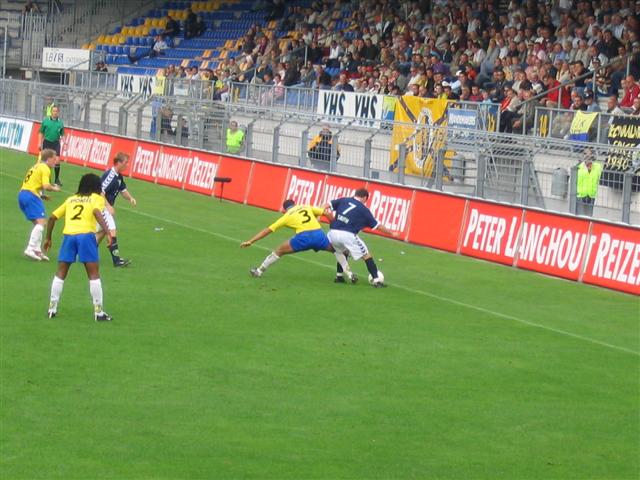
342,240
109,220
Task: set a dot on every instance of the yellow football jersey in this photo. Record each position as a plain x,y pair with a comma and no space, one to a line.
301,218
78,213
38,176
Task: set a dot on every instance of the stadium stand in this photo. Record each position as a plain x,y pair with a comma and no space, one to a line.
481,51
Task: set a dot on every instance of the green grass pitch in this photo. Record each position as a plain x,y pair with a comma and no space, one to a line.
460,369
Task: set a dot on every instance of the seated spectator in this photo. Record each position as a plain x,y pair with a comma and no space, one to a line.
159,46
31,7
172,29
589,101
635,109
631,91
343,84
101,67
612,106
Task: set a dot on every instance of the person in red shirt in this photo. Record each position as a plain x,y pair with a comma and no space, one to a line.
631,91
551,100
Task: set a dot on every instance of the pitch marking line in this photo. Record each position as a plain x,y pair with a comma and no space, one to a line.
402,287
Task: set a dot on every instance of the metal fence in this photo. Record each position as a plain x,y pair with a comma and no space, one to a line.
522,169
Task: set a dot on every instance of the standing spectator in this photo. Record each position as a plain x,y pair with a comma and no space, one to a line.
235,138
172,29
588,178
31,7
51,131
320,149
190,25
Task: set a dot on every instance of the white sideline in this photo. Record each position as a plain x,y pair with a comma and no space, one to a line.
407,289
395,285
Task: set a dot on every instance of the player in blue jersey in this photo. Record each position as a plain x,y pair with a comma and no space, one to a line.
350,216
112,185
303,219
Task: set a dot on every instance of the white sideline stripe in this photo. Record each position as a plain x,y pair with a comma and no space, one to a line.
402,287
408,289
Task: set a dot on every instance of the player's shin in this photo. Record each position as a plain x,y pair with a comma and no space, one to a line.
270,260
35,239
371,266
56,291
95,287
343,264
114,250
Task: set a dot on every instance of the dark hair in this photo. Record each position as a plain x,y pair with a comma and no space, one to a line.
287,204
120,157
89,183
362,193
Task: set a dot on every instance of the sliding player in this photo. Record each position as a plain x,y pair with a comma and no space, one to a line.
112,185
309,236
37,180
81,213
350,217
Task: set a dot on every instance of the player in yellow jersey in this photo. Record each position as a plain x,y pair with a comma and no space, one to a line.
37,179
303,219
82,213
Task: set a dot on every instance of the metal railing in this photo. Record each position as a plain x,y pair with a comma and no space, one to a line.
526,170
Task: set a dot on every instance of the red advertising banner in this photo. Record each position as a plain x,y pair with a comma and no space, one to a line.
553,244
34,146
491,232
76,146
120,145
435,220
202,173
144,160
304,187
238,171
572,248
172,166
267,186
391,206
614,258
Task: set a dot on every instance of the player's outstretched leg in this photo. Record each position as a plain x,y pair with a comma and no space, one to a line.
373,271
266,263
118,261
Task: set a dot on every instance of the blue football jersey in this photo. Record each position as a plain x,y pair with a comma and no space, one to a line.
351,215
112,185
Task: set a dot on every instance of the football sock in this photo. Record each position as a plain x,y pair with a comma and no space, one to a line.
95,287
343,265
56,290
35,239
270,260
371,266
113,250
56,170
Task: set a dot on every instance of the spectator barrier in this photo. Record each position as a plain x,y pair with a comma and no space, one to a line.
575,248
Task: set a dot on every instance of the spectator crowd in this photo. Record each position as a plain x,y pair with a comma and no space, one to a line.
466,50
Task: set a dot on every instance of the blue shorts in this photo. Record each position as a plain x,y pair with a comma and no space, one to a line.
31,205
82,245
309,240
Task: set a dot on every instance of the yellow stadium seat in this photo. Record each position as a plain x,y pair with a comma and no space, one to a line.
145,31
163,22
171,13
85,46
185,63
148,21
122,39
92,46
138,31
101,39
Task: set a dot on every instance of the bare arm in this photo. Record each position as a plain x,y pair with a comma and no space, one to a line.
51,188
383,229
100,219
40,139
129,197
258,236
47,240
